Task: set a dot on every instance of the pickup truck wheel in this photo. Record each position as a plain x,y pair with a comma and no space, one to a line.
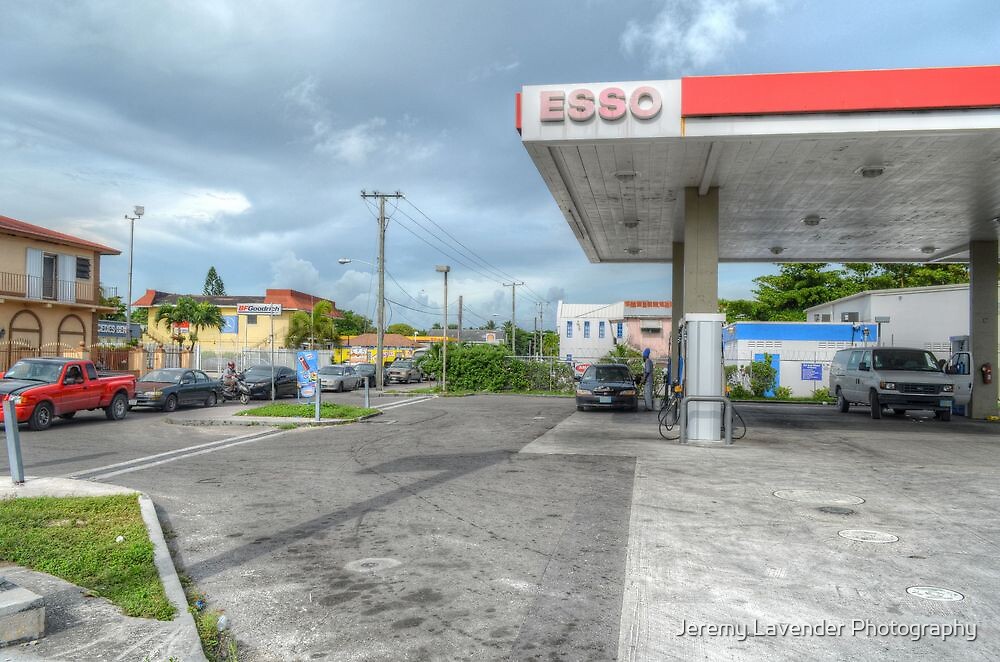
118,408
875,405
67,415
842,404
41,418
170,404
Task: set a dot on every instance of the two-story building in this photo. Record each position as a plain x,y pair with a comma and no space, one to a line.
50,292
240,331
588,331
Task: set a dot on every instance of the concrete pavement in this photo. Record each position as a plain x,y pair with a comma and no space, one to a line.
815,533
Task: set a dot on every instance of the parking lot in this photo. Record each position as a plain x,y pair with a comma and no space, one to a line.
495,527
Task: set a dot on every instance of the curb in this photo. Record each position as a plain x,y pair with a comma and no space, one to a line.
171,582
271,421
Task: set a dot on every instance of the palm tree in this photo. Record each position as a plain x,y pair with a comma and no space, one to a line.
315,329
177,313
202,316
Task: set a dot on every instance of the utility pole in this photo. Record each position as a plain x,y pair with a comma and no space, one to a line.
380,330
513,314
444,269
460,319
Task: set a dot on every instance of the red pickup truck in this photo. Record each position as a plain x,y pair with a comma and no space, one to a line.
43,388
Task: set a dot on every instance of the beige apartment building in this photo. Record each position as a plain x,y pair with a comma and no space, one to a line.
49,291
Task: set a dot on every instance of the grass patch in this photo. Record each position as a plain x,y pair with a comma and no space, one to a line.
73,538
327,410
217,645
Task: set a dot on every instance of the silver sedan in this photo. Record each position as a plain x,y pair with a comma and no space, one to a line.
338,378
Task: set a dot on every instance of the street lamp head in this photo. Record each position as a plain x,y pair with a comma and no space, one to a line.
139,210
443,268
344,260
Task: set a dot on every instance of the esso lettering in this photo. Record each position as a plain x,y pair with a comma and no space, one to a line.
611,104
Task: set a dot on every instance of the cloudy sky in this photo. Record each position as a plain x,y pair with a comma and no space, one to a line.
249,128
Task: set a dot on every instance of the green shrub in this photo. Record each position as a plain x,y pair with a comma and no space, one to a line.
491,368
739,392
821,394
783,393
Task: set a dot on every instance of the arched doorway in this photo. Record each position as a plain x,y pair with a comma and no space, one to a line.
24,337
72,332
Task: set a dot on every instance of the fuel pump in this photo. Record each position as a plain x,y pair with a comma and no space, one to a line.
701,353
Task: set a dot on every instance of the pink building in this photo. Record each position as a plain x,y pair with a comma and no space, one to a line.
649,324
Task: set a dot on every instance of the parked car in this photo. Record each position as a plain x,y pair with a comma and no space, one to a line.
258,378
403,370
366,371
170,388
338,378
899,378
43,388
608,386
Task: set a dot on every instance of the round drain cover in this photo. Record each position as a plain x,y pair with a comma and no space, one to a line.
372,565
819,498
836,510
935,593
862,535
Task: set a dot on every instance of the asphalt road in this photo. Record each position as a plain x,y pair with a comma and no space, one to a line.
421,534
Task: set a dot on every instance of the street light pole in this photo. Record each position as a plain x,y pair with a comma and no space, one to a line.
444,268
513,314
137,211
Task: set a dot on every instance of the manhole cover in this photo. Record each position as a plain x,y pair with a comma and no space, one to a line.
862,535
836,510
935,593
819,498
372,565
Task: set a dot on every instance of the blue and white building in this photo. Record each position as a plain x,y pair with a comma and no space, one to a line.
800,352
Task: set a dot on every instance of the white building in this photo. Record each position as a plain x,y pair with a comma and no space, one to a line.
923,317
800,353
588,331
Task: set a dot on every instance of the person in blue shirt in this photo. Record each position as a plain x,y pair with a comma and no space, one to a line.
647,379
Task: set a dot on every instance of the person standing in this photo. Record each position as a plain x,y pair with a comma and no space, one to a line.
647,378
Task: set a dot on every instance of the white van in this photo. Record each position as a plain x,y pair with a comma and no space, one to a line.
898,378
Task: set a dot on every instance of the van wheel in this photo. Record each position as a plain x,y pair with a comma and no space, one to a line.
875,405
842,404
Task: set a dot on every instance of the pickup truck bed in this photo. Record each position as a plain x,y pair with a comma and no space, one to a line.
44,388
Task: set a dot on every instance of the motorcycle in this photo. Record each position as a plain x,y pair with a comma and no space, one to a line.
236,389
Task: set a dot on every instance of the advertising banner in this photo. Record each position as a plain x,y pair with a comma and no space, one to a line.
111,328
230,324
306,365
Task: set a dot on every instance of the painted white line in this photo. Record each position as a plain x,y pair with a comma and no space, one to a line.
405,403
149,465
218,442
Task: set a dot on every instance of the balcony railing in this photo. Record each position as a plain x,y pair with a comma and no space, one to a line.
50,289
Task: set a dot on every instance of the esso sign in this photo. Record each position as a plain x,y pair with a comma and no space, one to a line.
610,104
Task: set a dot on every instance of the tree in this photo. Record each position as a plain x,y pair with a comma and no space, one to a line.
353,324
315,329
786,295
401,329
116,303
550,343
197,315
214,287
490,325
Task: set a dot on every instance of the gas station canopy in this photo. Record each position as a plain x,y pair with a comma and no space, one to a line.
855,166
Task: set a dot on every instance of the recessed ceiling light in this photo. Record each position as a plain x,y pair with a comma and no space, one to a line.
777,250
870,171
626,175
812,219
631,224
633,250
927,250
